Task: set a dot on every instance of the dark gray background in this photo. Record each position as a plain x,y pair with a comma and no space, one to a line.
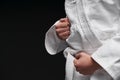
23,26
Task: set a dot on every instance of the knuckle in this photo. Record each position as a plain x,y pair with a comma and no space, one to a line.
76,65
56,26
62,18
57,30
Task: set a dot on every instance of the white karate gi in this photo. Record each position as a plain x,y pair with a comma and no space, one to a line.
95,28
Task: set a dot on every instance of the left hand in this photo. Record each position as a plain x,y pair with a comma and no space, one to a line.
84,64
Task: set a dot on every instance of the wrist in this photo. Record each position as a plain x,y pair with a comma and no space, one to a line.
96,66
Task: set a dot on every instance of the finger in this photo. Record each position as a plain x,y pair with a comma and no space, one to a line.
61,30
63,19
62,25
76,63
67,19
78,55
64,35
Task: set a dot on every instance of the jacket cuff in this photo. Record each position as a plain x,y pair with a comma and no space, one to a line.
108,57
53,44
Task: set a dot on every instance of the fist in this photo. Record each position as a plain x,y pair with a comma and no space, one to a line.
63,28
84,64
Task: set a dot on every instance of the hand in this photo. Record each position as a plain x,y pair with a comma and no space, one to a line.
84,64
63,28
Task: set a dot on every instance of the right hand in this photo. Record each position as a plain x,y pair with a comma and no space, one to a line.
63,28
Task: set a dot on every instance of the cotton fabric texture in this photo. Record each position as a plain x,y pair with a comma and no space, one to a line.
95,28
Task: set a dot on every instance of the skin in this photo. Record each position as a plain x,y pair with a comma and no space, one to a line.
63,28
83,62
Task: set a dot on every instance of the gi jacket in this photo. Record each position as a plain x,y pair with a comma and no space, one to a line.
95,28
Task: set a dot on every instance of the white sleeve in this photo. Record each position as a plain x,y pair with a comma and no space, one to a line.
108,56
53,44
